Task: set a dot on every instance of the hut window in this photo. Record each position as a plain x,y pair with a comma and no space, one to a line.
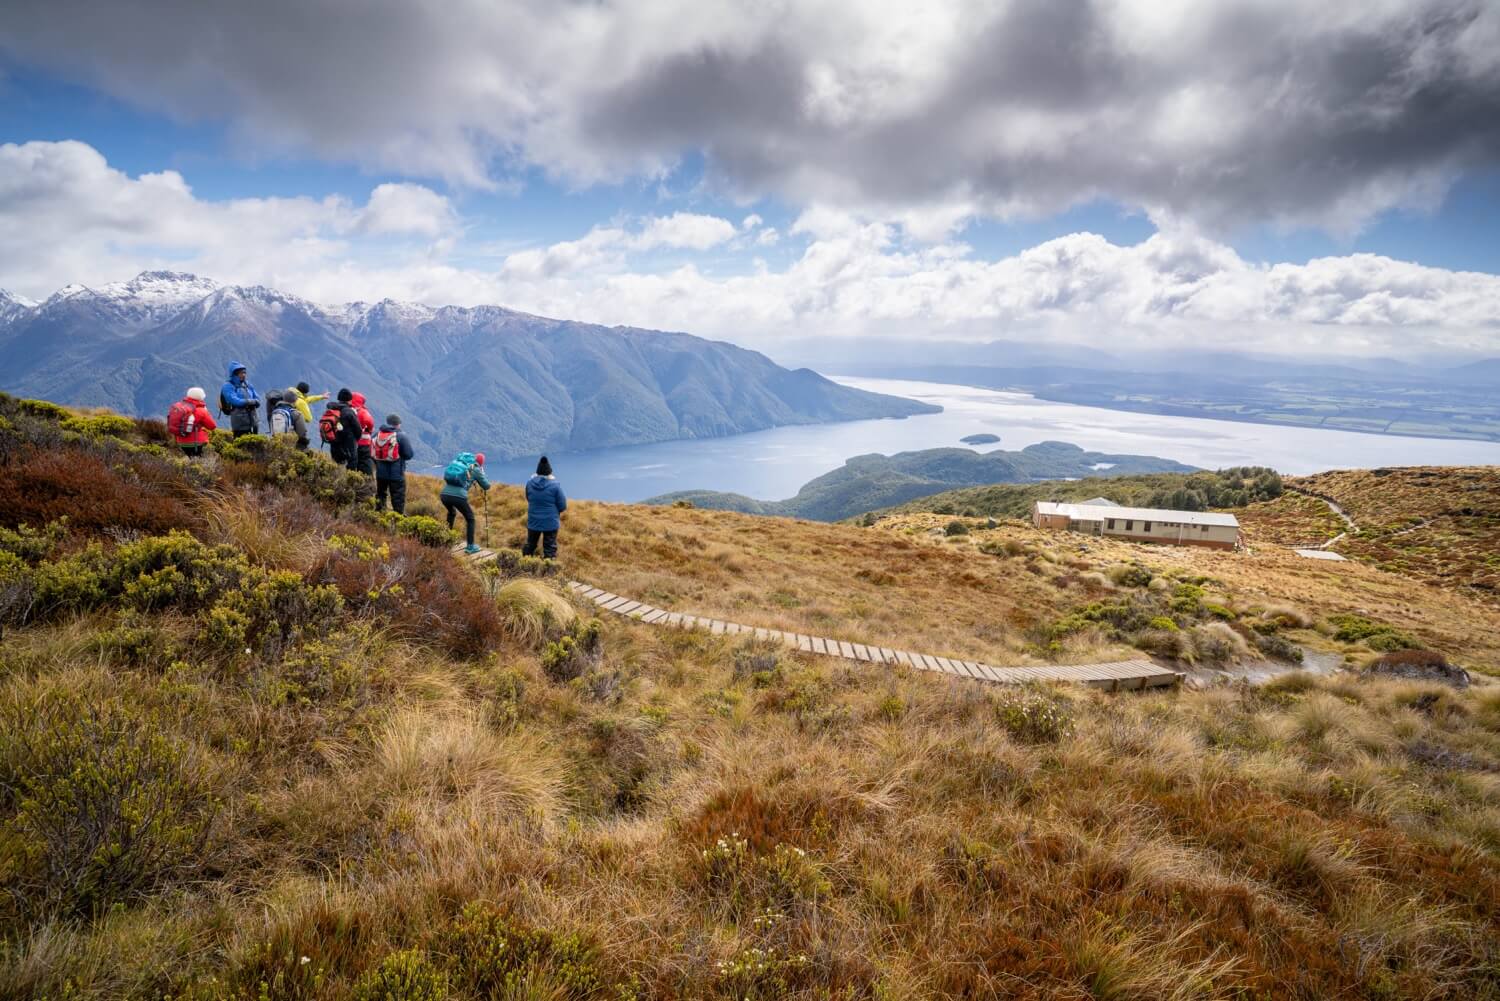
1110,525
1145,526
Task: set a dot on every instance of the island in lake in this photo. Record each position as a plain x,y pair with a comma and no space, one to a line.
980,439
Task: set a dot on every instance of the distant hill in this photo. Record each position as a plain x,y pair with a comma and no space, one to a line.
484,377
869,482
1197,490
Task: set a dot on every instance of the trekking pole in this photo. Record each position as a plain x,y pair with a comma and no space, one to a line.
486,519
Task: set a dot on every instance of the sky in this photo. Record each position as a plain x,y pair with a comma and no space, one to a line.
1265,174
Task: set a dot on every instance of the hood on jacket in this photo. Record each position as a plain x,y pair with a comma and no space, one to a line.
232,367
292,394
358,399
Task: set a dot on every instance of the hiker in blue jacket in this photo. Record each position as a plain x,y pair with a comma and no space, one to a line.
466,468
240,401
545,504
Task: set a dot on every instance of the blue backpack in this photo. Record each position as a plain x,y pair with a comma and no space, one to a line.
457,473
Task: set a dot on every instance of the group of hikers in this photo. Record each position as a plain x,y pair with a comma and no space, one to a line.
349,431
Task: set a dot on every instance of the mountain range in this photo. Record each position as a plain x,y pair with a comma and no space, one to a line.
875,481
481,377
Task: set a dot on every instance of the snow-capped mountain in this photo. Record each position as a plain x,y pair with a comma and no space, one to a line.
488,377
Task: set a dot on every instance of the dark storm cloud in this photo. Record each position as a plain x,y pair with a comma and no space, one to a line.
1224,113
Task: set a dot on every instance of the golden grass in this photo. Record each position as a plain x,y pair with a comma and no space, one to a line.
1316,837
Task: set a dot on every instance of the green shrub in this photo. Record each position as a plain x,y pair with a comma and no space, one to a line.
510,563
1033,717
572,654
403,976
325,670
102,807
31,544
275,609
1351,628
492,956
1218,612
1163,623
137,642
1273,644
44,409
103,426
890,709
1129,575
955,527
427,531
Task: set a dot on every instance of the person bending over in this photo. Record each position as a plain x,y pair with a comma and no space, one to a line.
465,469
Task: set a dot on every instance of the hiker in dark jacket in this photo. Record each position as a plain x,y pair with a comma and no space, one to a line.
240,401
467,468
545,504
344,447
392,451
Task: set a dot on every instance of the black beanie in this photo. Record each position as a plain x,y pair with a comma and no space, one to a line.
393,421
345,396
303,388
544,468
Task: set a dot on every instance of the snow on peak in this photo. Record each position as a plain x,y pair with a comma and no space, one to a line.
161,288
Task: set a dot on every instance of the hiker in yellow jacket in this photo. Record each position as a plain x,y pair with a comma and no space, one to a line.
300,398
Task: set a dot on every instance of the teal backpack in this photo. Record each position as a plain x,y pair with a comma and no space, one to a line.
457,473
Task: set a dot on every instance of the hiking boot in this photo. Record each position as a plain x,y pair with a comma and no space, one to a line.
471,549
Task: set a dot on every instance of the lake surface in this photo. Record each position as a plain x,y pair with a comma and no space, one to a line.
772,465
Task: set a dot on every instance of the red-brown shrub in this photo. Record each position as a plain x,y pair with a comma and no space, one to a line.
438,601
139,493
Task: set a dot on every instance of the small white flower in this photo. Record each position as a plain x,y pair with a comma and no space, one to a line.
305,959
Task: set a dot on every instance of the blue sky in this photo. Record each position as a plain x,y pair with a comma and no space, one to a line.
1126,170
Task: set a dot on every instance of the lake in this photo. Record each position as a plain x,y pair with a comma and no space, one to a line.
773,464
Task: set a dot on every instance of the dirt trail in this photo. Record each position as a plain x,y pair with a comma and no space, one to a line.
1334,506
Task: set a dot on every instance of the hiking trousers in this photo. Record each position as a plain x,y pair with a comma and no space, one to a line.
459,505
549,543
397,491
364,460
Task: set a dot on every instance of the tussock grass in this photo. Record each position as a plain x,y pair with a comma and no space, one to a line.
532,611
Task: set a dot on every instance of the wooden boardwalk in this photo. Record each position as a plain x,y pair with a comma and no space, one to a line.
1117,676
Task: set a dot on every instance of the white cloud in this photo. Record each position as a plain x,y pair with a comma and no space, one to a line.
1222,113
66,216
684,230
751,221
407,209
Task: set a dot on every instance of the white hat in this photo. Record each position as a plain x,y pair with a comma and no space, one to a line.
196,393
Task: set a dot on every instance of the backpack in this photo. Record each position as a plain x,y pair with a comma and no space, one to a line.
281,420
457,473
224,407
387,447
328,425
182,419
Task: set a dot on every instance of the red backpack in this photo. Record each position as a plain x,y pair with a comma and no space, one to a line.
328,425
182,419
387,447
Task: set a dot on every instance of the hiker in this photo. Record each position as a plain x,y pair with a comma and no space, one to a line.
363,461
466,468
189,422
338,428
283,418
302,398
392,451
545,505
239,400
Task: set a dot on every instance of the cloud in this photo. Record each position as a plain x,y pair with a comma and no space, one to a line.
407,209
65,210
684,230
67,216
1215,114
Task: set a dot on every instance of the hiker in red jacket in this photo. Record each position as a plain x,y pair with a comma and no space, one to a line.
189,422
365,461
